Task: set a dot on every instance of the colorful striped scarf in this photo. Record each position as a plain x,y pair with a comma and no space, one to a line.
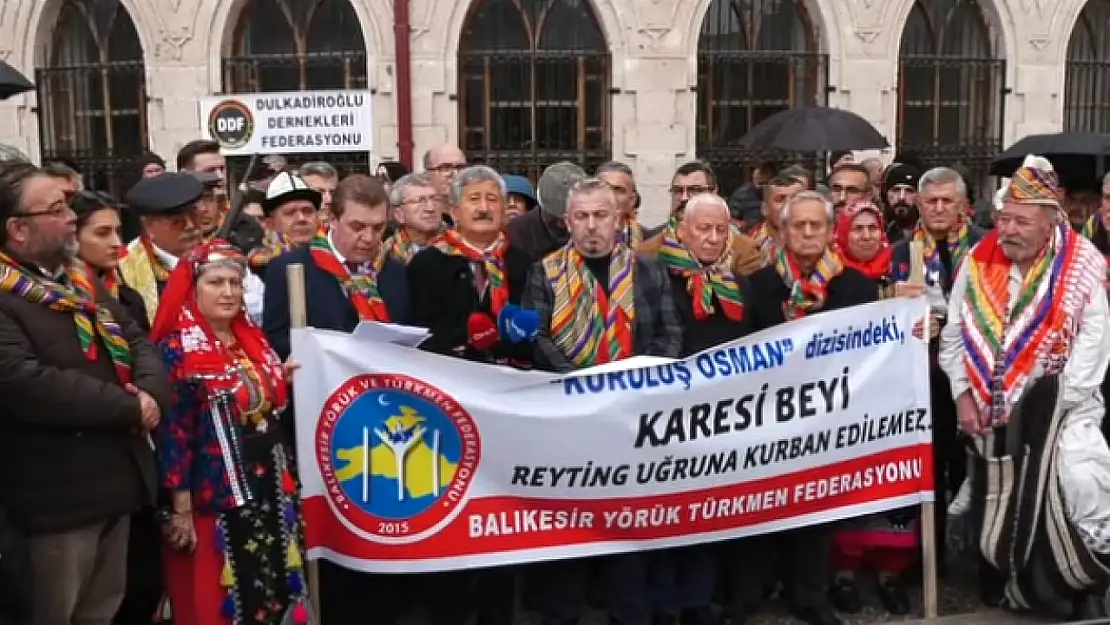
111,279
764,239
631,234
275,244
160,270
589,325
91,319
492,259
400,245
361,289
807,293
1090,227
1006,341
704,282
958,241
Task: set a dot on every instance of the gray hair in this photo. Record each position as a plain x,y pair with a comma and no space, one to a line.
615,167
398,188
943,175
590,186
472,175
318,168
705,199
803,197
1106,179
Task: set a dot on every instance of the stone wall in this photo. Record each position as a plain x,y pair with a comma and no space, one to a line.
653,44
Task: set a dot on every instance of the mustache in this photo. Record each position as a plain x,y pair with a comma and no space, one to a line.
1009,241
483,216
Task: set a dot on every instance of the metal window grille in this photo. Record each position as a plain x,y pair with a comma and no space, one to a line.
534,85
951,88
294,45
1087,78
92,102
755,58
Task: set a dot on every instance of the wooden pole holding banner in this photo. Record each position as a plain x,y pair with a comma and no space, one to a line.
928,520
298,318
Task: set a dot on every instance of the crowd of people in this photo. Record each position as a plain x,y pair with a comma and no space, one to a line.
147,470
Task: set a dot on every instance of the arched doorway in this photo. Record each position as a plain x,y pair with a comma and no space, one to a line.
1087,79
755,58
295,45
951,83
92,94
534,85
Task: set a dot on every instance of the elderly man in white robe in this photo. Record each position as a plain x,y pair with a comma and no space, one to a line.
1026,348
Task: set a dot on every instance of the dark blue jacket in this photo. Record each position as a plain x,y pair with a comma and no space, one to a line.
327,304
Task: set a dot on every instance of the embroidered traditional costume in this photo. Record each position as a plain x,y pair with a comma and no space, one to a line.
1031,349
222,441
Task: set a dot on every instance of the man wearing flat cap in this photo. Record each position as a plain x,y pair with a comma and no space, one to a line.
290,216
167,207
1026,347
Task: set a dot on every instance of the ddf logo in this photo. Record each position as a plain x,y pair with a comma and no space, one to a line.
397,455
231,124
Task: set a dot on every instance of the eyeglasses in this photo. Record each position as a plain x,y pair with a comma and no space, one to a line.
58,211
448,168
426,200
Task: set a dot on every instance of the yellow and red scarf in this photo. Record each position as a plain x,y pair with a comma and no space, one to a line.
91,319
704,283
631,234
590,325
400,245
764,238
492,259
361,289
807,292
958,242
1005,341
275,244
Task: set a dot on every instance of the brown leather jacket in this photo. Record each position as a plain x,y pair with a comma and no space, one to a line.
746,258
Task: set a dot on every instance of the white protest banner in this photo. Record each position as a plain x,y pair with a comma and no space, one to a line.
287,122
412,461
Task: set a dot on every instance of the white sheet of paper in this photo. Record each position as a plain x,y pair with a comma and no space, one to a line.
392,333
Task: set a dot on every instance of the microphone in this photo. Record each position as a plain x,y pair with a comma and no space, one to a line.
518,325
481,333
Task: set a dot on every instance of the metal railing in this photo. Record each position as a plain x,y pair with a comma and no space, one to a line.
534,87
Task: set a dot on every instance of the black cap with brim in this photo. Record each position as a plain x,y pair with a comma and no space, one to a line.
207,179
171,193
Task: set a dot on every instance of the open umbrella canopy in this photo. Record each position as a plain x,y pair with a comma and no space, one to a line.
1071,153
12,82
814,129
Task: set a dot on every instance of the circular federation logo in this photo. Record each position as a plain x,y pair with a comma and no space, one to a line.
231,124
397,455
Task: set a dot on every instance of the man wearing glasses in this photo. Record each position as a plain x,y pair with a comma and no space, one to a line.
442,163
418,211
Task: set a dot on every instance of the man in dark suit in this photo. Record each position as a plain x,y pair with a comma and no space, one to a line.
471,271
347,280
594,273
805,277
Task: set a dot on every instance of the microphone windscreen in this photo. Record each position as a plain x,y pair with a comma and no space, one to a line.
481,332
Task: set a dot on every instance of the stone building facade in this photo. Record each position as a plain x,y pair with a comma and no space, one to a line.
650,82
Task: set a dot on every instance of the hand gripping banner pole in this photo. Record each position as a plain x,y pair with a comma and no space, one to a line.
298,318
928,521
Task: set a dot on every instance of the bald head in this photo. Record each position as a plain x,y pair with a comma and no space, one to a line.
708,203
442,163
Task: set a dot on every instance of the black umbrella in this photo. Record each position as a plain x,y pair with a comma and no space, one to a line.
12,82
1072,154
815,129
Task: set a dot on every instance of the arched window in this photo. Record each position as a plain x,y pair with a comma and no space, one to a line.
92,94
950,88
533,85
295,45
755,58
1087,91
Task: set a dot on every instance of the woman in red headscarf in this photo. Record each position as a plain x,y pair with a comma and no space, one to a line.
234,532
886,542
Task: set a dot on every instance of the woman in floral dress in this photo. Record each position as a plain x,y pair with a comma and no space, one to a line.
234,531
